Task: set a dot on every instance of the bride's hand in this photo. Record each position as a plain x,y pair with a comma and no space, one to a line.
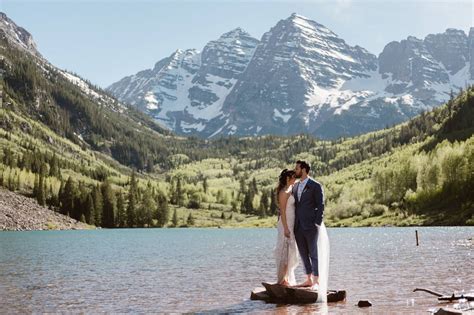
287,233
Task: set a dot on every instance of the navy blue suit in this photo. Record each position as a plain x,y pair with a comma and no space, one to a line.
309,214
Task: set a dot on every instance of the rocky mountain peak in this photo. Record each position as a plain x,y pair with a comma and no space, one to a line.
17,35
300,77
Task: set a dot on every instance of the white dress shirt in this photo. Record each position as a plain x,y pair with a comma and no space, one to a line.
301,186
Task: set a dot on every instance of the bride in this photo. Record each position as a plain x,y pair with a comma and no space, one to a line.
286,252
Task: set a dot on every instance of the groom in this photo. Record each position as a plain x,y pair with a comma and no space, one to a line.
309,201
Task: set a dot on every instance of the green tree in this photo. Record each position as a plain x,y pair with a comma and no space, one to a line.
190,220
132,201
175,218
273,204
205,185
121,211
146,208
263,208
68,196
110,204
89,210
162,211
98,204
247,204
195,201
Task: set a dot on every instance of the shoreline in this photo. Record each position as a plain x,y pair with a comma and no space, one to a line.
21,213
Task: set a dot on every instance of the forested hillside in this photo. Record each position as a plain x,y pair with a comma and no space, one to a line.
84,154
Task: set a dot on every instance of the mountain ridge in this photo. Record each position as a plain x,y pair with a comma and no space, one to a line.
303,78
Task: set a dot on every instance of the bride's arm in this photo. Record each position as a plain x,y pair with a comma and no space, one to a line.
282,199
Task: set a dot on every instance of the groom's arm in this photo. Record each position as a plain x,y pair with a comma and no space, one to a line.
319,195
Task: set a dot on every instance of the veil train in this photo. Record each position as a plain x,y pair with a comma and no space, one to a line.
323,263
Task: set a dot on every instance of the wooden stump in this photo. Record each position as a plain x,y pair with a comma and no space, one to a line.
275,293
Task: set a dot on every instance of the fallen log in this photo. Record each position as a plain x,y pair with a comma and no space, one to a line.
448,298
276,293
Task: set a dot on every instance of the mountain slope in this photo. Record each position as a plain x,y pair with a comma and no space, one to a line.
72,107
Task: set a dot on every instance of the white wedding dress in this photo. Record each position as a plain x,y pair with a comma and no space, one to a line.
286,252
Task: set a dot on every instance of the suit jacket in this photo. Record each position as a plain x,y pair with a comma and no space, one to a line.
310,208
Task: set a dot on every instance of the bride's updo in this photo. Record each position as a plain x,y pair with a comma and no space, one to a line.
283,179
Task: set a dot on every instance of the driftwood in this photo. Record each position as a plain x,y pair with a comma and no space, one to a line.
275,293
447,311
448,298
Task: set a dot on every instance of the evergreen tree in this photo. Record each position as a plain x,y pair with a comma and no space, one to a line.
263,209
36,186
175,218
132,201
247,204
80,201
98,204
110,204
234,204
205,185
179,192
146,207
41,192
273,204
68,196
54,166
121,211
162,211
89,210
253,187
190,220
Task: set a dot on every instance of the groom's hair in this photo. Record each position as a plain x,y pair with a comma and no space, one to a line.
305,165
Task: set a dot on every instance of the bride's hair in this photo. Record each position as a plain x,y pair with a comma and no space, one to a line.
283,179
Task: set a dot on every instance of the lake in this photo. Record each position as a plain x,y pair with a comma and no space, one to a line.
214,270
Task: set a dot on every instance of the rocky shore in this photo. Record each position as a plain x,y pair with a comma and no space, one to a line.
19,213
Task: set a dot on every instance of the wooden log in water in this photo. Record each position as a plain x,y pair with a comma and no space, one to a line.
447,311
275,293
448,298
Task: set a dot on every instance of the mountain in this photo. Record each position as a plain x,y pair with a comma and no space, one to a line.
72,107
300,77
188,88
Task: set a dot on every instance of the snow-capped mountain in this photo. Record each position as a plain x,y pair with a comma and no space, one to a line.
188,88
300,77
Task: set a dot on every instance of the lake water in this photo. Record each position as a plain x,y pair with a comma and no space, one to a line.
214,270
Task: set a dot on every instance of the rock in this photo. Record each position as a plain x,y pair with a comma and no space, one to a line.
364,303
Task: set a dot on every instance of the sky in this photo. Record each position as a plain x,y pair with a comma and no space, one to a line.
105,40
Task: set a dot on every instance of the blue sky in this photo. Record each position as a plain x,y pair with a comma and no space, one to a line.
106,40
